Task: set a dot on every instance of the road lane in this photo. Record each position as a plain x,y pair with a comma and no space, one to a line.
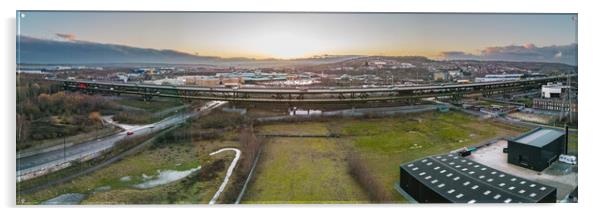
38,162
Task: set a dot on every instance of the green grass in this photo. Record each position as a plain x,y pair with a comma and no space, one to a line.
181,156
386,143
194,192
424,131
305,128
303,170
573,138
294,170
152,106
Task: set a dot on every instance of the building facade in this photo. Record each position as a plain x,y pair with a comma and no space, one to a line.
536,149
499,77
555,104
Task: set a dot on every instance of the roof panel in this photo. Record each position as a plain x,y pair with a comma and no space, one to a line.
540,137
465,180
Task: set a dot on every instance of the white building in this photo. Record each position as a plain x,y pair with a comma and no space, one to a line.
553,90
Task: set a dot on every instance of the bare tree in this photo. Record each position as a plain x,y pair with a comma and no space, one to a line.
362,174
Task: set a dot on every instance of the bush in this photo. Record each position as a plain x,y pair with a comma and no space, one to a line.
38,100
250,146
219,120
133,117
185,134
362,174
127,143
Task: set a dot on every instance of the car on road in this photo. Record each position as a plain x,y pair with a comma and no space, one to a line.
129,133
302,89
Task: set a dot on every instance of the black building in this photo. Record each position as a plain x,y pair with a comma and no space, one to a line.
453,179
536,149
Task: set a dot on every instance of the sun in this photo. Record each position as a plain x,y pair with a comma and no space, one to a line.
283,45
285,51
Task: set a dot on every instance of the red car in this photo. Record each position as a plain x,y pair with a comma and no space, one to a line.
129,133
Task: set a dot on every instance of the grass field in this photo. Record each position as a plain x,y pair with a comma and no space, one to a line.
291,170
182,156
573,147
306,128
315,171
303,170
156,105
386,144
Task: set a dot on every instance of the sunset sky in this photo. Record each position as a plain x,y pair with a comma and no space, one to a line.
293,35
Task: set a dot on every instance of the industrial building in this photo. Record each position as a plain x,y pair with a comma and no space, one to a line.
450,178
554,98
440,76
536,149
555,104
554,90
499,77
213,80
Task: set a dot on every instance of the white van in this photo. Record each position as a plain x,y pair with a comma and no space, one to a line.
569,159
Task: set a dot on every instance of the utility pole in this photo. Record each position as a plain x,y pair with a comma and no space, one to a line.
569,96
64,148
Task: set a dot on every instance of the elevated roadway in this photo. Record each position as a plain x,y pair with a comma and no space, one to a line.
305,95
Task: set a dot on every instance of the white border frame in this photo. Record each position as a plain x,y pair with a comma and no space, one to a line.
589,46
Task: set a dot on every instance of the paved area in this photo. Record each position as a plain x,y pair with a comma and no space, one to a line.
40,162
228,174
560,175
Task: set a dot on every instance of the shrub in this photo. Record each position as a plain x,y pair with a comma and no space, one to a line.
362,174
133,117
250,146
185,134
219,120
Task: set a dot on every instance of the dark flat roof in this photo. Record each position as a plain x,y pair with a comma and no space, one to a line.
539,137
462,180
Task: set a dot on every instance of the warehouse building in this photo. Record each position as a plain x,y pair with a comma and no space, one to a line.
499,77
450,178
536,149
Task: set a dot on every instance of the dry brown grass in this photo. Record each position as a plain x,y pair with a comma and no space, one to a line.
362,174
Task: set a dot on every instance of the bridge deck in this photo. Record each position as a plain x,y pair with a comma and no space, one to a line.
309,95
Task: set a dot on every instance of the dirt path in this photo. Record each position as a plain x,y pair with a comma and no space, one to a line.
228,174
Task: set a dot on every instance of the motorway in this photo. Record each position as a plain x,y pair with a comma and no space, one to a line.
322,90
304,95
40,162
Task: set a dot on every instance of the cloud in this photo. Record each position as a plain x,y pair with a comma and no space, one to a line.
529,46
451,55
69,37
566,54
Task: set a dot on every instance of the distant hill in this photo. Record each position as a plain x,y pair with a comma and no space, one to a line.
32,50
41,51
